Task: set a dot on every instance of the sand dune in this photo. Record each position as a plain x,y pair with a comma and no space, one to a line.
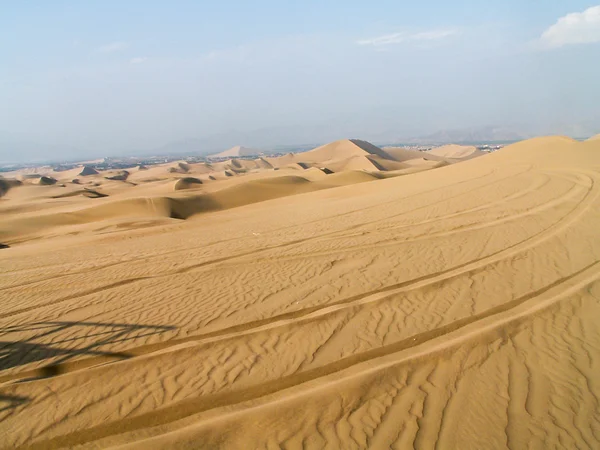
346,154
187,183
424,163
237,151
344,148
88,170
46,181
449,308
262,163
456,151
403,154
30,226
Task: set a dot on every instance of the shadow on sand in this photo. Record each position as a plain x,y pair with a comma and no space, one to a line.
92,336
60,344
8,402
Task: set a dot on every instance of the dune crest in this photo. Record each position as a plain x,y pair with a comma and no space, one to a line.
46,181
187,183
88,170
455,151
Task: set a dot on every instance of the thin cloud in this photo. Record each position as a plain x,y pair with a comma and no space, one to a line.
137,60
405,37
574,28
112,47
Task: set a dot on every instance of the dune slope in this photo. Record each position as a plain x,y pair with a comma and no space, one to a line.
454,308
455,152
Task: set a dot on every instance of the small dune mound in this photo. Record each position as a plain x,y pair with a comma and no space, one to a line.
228,173
4,246
211,177
262,163
595,138
47,181
325,170
181,167
88,170
187,183
119,176
142,167
76,181
238,166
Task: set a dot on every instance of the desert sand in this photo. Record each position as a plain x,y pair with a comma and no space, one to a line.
236,151
346,297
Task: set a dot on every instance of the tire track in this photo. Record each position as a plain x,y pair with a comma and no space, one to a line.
283,245
473,266
160,255
193,406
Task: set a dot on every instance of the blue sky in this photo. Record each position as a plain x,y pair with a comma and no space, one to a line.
108,76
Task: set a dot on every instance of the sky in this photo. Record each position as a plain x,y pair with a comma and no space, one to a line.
111,77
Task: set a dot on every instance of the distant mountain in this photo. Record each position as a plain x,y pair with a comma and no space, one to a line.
501,134
473,135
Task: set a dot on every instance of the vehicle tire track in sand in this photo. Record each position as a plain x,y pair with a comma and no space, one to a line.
474,266
283,245
361,210
579,279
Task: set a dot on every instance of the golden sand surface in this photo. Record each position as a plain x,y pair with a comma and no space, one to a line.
449,303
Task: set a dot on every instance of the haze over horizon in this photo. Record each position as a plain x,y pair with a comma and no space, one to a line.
80,80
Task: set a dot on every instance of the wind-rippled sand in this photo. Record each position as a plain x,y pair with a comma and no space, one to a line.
452,308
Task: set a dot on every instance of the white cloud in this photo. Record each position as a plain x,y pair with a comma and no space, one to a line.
112,47
575,28
138,60
403,37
